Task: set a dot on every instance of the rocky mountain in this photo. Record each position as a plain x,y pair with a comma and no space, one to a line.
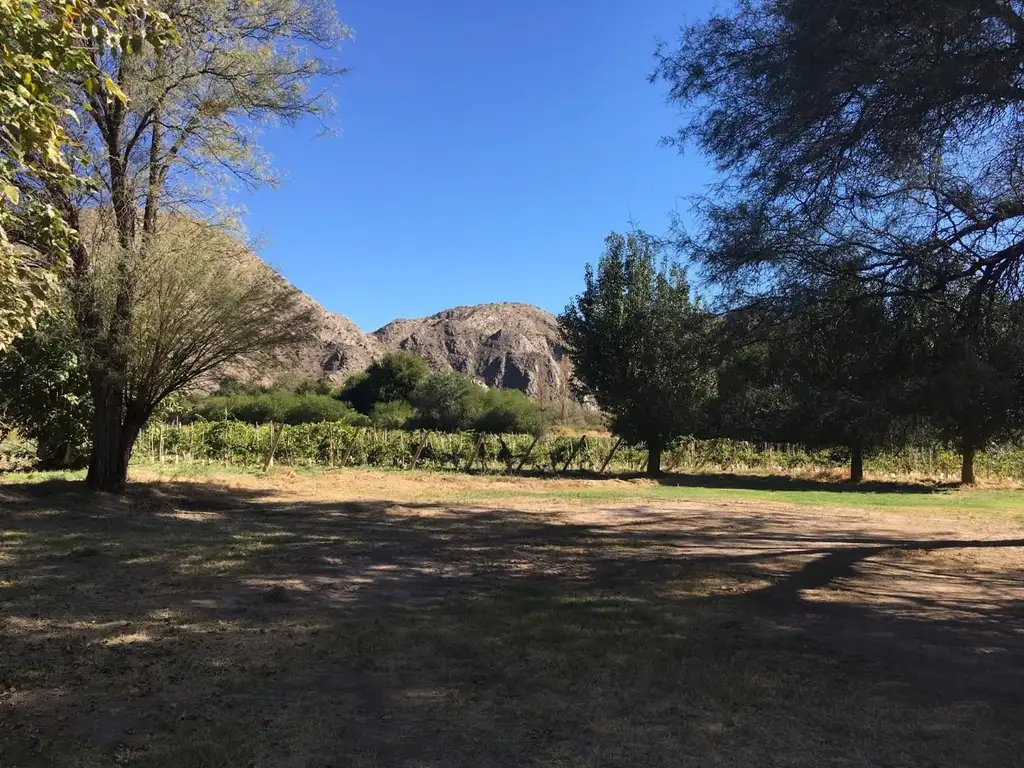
513,346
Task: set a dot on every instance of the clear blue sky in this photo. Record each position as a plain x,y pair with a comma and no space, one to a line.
486,150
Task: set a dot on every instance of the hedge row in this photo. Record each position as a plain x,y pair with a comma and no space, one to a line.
332,444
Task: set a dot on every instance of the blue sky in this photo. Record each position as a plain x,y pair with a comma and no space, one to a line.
486,149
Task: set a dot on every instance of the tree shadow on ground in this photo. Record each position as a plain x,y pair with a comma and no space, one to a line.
193,624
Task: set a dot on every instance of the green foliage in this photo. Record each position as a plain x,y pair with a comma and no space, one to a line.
43,46
44,392
885,144
638,343
507,411
280,406
392,378
445,402
392,415
967,379
882,148
823,370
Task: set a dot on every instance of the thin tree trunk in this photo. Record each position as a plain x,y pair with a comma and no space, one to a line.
654,459
856,464
967,467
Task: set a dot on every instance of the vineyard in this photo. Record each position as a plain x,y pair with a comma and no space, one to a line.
331,444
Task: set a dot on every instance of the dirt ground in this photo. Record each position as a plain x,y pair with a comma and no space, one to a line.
374,619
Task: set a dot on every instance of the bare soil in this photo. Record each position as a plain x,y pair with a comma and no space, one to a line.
373,619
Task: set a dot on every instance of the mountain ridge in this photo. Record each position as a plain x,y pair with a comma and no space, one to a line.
509,345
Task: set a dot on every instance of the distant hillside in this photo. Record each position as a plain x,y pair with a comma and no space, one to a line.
513,346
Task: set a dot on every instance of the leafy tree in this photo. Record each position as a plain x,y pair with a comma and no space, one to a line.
44,392
504,411
392,378
968,382
828,372
42,46
882,137
883,141
319,386
638,343
445,401
394,414
187,127
280,407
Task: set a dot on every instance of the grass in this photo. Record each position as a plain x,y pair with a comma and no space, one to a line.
295,620
717,488
985,501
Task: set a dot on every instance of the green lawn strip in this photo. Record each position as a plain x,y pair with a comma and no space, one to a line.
953,501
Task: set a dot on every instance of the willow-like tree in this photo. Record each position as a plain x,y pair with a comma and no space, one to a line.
188,126
639,344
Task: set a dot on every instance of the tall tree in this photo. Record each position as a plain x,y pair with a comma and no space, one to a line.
203,301
830,371
638,342
42,45
44,392
187,126
969,384
392,378
883,140
890,131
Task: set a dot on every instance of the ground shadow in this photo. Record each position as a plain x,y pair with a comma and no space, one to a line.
250,629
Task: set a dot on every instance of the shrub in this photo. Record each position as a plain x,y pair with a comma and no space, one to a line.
445,402
281,407
394,414
508,411
392,378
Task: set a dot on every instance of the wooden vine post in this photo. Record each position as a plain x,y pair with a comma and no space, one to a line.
476,452
608,460
351,445
526,456
275,438
575,450
424,441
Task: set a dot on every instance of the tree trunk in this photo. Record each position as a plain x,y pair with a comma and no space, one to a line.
108,464
856,464
654,459
115,428
967,467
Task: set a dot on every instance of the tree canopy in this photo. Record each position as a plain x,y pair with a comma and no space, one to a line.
392,378
186,128
880,143
42,47
885,139
637,340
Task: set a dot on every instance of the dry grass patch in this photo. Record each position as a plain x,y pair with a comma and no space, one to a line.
373,619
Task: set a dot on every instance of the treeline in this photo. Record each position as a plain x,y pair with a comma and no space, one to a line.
395,392
864,240
833,367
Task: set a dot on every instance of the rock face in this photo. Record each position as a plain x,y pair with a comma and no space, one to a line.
511,346
337,349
